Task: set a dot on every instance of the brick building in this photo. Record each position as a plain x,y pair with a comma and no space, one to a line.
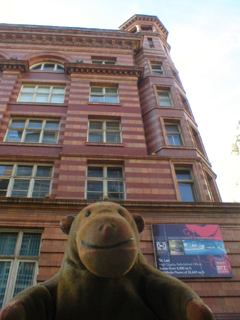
90,114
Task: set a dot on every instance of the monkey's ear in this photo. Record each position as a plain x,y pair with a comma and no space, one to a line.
65,224
139,222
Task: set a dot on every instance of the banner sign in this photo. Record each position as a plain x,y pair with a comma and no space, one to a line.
190,250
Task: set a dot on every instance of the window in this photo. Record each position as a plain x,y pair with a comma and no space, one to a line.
105,181
108,62
165,99
19,254
42,94
186,185
33,131
157,69
48,66
174,135
102,94
104,131
197,140
146,28
25,181
150,42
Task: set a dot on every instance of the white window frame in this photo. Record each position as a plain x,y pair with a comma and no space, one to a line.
105,179
105,61
42,64
189,182
15,259
169,98
32,178
36,93
174,133
157,69
104,130
25,129
103,94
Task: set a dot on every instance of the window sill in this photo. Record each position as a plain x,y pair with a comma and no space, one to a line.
25,144
105,104
104,144
42,104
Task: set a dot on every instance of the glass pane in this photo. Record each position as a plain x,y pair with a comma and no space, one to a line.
112,125
97,61
111,91
35,124
8,243
3,187
60,68
113,172
19,194
95,137
172,128
44,172
24,276
115,196
17,124
96,90
57,99
28,89
14,136
113,137
177,140
96,99
52,125
163,95
165,103
58,90
24,171
186,192
95,172
95,186
110,99
21,185
94,196
183,175
95,125
25,97
6,170
37,67
42,89
42,98
32,137
30,244
49,66
41,186
110,62
4,273
115,186
50,137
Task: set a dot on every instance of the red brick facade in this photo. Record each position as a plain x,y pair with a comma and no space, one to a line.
144,153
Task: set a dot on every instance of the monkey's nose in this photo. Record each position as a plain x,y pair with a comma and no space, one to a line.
107,226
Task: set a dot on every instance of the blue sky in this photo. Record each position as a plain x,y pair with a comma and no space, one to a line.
205,39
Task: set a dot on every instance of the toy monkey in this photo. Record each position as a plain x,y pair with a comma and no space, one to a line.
104,276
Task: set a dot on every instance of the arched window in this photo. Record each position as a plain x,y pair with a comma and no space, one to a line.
48,66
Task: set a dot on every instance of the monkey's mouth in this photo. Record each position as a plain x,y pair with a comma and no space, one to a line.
107,247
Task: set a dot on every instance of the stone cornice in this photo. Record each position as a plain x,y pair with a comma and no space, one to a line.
144,18
14,65
103,69
62,36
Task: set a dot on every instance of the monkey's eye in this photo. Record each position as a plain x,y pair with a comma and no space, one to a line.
120,212
87,213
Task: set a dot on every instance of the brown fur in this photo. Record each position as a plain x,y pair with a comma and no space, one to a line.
104,276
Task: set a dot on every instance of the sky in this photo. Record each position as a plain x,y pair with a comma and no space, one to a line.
204,36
